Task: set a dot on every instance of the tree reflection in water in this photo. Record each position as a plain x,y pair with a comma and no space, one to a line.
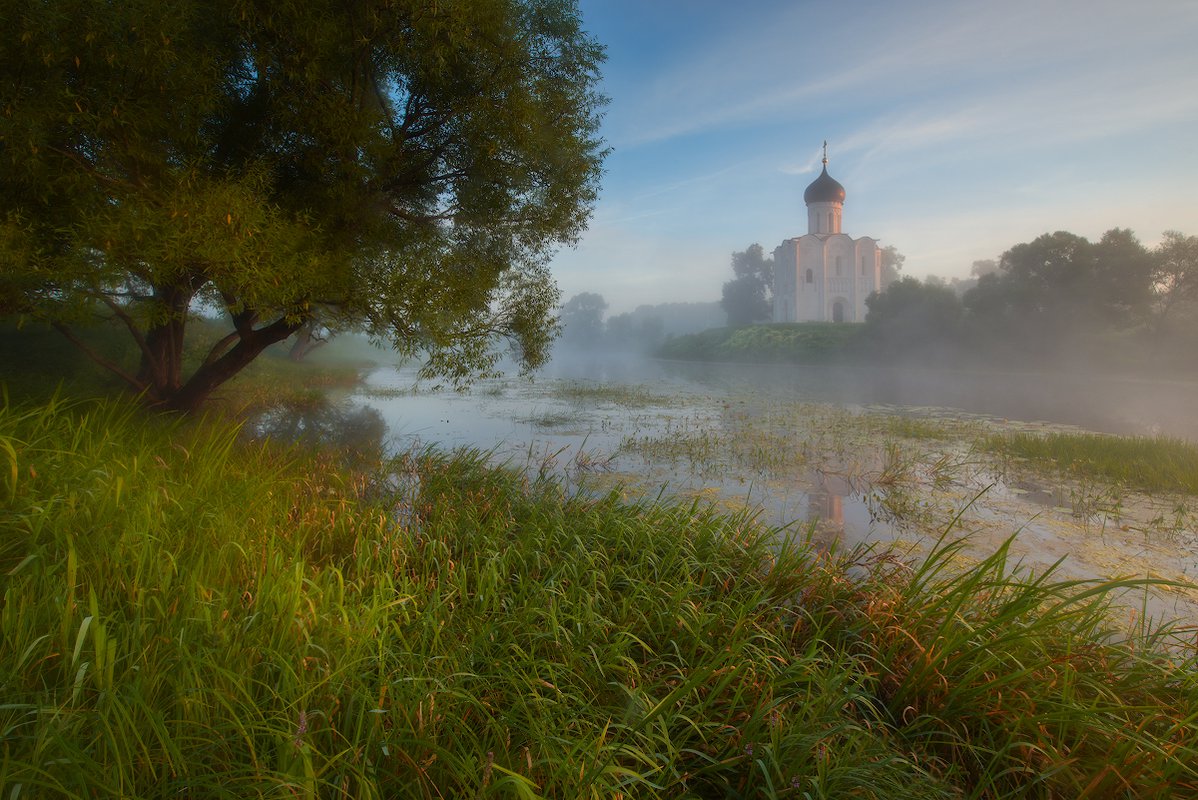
354,434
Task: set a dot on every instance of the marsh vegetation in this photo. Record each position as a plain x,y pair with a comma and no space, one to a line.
861,472
617,587
187,614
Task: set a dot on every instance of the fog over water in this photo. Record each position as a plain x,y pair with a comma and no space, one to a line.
1101,403
816,446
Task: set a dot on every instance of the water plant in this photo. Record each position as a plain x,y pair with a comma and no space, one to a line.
591,392
1151,463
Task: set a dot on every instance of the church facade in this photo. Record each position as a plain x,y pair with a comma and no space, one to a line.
825,275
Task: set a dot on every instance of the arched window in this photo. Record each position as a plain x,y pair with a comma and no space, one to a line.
862,265
810,276
838,266
830,229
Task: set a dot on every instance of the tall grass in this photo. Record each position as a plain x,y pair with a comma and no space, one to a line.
1152,463
185,616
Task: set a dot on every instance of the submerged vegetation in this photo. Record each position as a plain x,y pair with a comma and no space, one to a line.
186,615
616,393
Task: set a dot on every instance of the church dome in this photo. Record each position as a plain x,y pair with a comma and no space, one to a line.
824,189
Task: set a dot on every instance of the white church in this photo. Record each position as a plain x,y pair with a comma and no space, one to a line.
825,275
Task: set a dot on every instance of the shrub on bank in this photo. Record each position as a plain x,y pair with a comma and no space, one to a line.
188,616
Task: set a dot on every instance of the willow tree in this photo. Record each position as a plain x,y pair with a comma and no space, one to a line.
403,166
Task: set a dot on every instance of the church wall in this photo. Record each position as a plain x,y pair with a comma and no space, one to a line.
797,300
843,271
868,280
809,298
824,218
786,259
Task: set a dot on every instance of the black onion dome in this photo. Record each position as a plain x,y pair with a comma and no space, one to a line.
824,189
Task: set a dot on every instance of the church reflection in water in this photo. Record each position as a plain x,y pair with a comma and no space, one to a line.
825,508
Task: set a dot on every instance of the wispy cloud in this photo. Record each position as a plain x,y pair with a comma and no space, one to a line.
791,63
1015,116
1107,102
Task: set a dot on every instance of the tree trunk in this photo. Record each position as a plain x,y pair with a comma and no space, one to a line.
306,341
160,371
192,394
161,367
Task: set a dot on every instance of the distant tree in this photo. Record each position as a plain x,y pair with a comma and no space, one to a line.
647,326
909,314
310,336
636,330
582,319
1062,286
1036,292
1175,276
982,267
987,306
1124,272
892,265
412,165
620,330
963,285
747,298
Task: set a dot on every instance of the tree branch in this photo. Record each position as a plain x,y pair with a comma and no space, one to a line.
96,357
129,323
218,349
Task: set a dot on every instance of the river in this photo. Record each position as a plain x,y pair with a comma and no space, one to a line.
852,456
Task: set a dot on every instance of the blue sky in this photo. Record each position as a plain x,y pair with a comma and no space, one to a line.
958,129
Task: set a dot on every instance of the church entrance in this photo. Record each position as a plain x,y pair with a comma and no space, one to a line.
838,311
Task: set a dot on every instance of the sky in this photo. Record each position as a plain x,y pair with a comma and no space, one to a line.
959,128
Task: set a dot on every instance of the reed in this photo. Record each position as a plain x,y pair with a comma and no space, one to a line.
186,615
593,393
1151,463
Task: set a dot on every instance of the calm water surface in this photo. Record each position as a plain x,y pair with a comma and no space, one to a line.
733,434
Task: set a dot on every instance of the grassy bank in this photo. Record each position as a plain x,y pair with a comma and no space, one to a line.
1150,463
797,343
186,616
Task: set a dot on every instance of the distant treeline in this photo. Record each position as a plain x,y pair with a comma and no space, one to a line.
641,330
1059,300
793,342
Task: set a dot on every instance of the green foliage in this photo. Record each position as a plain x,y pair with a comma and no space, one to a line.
1152,463
405,166
645,327
34,359
910,314
186,616
1176,276
892,265
798,342
1060,287
747,297
582,319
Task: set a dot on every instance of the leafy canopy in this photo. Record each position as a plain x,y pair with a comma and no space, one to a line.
406,166
747,298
